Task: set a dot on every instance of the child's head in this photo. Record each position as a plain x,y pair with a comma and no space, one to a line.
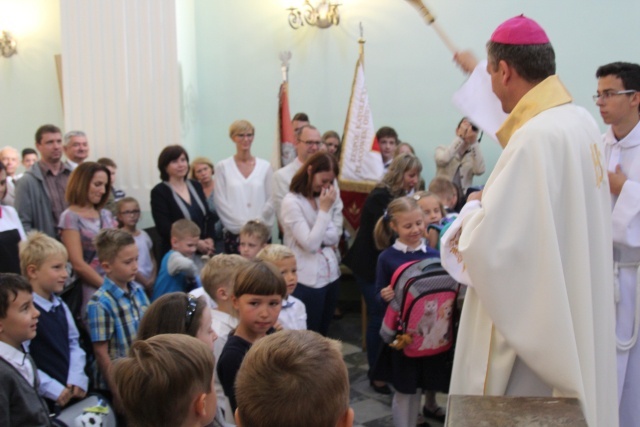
118,254
111,167
257,296
18,315
254,235
285,260
287,376
404,219
178,313
167,380
218,275
431,206
43,261
128,212
446,190
29,157
185,235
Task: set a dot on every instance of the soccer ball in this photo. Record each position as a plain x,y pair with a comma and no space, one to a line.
89,419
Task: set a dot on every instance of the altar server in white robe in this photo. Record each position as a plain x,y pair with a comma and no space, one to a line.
534,246
618,99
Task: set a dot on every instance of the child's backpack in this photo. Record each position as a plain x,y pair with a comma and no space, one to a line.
419,320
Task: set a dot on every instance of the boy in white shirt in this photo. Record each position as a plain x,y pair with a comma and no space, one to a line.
217,278
294,313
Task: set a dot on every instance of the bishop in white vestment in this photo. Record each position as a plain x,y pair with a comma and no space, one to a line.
538,318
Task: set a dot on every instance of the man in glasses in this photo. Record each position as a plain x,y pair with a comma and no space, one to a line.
461,160
619,102
534,245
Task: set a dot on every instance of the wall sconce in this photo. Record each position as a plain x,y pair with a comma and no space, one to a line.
8,45
324,15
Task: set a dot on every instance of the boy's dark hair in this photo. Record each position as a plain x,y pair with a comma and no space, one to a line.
387,132
628,72
46,129
28,151
10,285
259,278
110,241
300,117
258,229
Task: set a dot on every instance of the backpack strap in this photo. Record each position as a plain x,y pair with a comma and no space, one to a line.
399,271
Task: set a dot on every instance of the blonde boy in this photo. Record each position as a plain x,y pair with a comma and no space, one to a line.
217,278
167,381
180,269
115,310
20,404
293,314
254,235
447,191
293,378
56,348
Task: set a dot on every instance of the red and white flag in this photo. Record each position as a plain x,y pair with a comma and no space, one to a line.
285,128
361,164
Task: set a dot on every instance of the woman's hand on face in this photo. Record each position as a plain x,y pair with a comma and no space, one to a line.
327,198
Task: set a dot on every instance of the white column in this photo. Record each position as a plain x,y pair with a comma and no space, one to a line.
121,84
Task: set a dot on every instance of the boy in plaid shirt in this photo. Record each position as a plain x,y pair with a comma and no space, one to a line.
115,310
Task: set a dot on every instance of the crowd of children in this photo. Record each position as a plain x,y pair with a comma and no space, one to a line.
171,324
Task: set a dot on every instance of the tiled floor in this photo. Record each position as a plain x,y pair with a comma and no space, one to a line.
371,409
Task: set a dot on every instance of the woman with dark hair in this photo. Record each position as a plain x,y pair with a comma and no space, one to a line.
87,193
177,197
310,231
402,178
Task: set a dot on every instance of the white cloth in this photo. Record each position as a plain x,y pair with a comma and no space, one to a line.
626,249
199,292
50,387
476,100
239,199
11,221
18,359
293,314
537,254
281,182
144,244
313,236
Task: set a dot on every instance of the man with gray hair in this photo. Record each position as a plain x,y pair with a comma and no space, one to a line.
10,157
76,148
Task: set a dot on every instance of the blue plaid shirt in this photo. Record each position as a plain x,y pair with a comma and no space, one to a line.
114,316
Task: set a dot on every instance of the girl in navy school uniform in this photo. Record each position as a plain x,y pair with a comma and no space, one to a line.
405,221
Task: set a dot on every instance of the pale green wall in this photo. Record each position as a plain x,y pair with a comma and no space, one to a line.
186,34
410,74
234,70
29,93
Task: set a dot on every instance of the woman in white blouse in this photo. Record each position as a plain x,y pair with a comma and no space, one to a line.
243,186
307,213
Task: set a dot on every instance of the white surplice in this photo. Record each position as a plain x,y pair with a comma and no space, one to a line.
626,254
539,315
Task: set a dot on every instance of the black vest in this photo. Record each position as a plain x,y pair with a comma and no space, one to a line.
50,348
